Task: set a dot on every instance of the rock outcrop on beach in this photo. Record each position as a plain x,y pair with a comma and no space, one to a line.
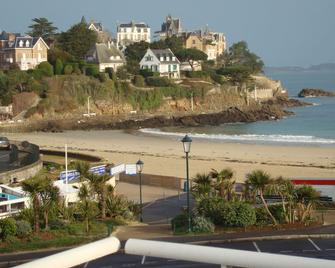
231,115
313,92
285,102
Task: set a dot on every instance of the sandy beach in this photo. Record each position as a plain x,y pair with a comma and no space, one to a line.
164,155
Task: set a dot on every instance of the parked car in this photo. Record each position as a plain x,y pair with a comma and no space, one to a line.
4,143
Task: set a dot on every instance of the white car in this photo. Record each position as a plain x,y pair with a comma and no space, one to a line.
4,143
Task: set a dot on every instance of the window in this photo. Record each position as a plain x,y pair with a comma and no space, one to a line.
21,43
167,58
27,43
193,42
148,58
175,67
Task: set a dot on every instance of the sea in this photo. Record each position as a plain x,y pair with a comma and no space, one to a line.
311,125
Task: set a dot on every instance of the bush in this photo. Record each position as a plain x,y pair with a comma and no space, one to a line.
229,214
58,67
148,73
68,69
218,78
159,81
180,223
139,81
23,229
56,224
196,74
46,68
122,73
102,77
202,225
92,70
7,228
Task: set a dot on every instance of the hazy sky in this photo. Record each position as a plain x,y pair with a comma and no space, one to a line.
282,32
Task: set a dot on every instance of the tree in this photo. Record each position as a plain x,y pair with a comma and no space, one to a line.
49,196
259,180
87,208
136,51
306,198
224,182
58,67
46,68
237,74
42,27
33,186
203,186
191,55
98,185
240,55
77,40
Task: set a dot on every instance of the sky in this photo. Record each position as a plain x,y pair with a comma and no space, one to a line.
281,32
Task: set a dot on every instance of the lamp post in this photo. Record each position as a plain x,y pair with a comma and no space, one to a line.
187,148
139,167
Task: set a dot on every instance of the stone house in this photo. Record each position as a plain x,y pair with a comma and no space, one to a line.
27,52
106,56
211,43
171,27
162,61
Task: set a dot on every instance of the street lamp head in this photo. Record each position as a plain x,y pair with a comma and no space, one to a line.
187,143
139,165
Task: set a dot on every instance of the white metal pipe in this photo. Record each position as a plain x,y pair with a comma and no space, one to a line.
76,256
221,256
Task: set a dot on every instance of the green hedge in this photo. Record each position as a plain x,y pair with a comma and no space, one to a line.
159,81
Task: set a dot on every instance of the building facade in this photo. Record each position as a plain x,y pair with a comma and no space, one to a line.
128,33
162,61
106,56
27,52
211,43
171,27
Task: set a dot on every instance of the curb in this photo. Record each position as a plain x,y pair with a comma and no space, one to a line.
264,238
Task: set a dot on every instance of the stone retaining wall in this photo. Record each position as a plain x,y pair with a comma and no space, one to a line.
22,173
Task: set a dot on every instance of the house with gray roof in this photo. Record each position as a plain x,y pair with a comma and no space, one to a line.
171,27
106,56
162,61
25,51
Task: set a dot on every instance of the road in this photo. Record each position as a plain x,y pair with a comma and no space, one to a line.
313,248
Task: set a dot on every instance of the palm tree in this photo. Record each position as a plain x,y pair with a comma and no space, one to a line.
306,198
49,196
285,189
86,207
83,168
224,182
33,186
98,185
203,187
259,180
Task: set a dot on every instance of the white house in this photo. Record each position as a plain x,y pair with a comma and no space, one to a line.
128,33
162,61
106,56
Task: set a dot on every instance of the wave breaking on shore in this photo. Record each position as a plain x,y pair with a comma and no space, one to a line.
248,138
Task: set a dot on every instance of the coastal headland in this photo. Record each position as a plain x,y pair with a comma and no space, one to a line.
164,155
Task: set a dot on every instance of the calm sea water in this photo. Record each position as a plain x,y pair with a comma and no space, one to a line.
313,125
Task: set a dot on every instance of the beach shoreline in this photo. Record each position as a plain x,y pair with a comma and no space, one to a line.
163,155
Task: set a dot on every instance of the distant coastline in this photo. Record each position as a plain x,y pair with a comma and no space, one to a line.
318,67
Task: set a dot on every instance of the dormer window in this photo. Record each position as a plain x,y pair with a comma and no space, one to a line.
21,43
167,58
173,58
27,43
161,58
112,57
117,57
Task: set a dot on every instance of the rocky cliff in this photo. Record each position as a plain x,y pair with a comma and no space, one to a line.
313,92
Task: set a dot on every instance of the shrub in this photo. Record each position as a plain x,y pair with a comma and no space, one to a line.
102,77
92,70
220,79
180,223
46,68
139,81
230,214
159,81
59,67
68,69
122,73
56,224
147,73
196,74
202,225
7,228
23,229
119,206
